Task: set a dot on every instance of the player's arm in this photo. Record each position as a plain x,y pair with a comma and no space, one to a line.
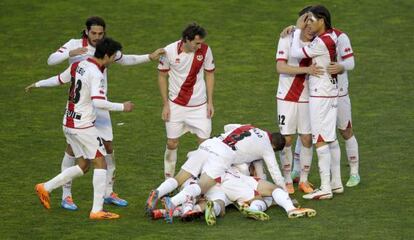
347,62
283,67
163,85
138,59
54,81
209,68
273,168
64,53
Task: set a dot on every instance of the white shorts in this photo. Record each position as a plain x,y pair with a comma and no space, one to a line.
188,119
219,159
238,187
344,119
104,125
216,193
195,161
85,143
293,117
323,113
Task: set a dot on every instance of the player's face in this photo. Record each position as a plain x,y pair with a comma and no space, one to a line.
308,34
95,34
315,24
195,44
108,60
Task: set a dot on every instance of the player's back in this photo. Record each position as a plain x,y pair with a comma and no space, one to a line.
80,112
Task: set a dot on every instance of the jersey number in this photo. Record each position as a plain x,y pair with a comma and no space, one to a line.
281,119
74,91
237,135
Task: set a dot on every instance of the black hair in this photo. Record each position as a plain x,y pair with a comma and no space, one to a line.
304,10
107,46
93,21
278,141
193,30
319,12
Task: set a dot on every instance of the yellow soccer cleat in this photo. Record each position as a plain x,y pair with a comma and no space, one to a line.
301,212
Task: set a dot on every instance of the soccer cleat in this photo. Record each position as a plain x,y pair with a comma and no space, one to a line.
295,176
339,189
353,181
158,213
290,188
257,215
191,216
114,199
68,204
318,194
103,215
43,195
306,187
301,212
209,215
151,202
169,207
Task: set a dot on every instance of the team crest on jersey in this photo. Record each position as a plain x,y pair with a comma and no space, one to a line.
347,49
281,52
200,57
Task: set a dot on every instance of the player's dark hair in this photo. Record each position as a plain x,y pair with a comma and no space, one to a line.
107,46
304,10
278,141
93,21
192,30
319,12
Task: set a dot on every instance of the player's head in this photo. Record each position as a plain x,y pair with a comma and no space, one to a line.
95,30
307,33
193,36
278,141
106,50
304,10
320,19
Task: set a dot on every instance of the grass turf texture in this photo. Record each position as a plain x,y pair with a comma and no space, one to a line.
243,36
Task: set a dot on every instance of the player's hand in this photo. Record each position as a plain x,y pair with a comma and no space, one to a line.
128,106
78,51
157,54
27,89
210,110
302,20
335,68
288,30
315,70
165,115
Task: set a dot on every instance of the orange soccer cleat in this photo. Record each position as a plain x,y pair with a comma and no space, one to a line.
290,189
306,187
43,195
103,215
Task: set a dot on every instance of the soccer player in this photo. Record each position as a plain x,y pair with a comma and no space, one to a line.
323,100
87,92
186,82
80,49
293,105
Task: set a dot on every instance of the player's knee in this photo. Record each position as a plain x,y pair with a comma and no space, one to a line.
99,163
289,140
172,144
84,165
108,146
69,150
347,133
306,140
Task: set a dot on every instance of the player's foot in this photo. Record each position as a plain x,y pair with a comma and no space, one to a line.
257,215
318,194
103,215
151,202
209,215
169,207
43,195
295,176
338,189
158,213
301,212
290,188
115,200
191,216
68,204
353,181
306,187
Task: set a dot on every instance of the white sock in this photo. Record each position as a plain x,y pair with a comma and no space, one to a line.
192,190
197,208
269,201
188,205
296,155
324,163
282,199
67,175
169,185
67,162
217,209
351,146
99,182
170,159
305,163
286,160
258,205
335,164
110,174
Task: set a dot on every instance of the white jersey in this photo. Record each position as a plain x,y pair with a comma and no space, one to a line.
87,83
292,88
186,73
322,50
250,144
344,50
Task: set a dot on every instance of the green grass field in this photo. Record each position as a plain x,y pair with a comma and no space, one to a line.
243,37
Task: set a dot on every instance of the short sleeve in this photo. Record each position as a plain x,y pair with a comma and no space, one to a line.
209,61
315,48
282,51
65,76
98,87
344,47
164,64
